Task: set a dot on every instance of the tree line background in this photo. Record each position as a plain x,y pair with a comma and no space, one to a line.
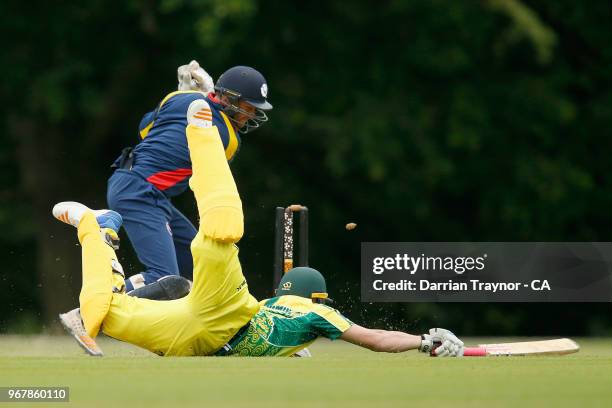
422,120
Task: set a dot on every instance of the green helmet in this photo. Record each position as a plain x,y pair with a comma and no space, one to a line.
305,282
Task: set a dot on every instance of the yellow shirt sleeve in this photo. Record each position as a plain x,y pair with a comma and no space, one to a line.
331,323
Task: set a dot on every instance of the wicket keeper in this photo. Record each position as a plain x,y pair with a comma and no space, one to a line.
158,168
219,317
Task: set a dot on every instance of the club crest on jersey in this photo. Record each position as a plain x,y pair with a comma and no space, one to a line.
264,90
286,286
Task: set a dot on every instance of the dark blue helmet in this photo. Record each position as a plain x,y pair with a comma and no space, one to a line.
244,84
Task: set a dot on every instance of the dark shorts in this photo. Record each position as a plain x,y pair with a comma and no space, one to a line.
159,233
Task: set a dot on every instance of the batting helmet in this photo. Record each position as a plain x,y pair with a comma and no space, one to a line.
242,83
305,282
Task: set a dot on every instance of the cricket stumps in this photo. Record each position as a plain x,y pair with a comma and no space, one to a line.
284,259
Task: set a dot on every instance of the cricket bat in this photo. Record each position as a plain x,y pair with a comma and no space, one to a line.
524,348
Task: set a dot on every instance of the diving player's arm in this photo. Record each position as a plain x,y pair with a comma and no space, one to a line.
330,323
381,340
213,185
444,342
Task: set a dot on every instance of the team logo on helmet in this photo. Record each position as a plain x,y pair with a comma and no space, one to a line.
264,90
286,286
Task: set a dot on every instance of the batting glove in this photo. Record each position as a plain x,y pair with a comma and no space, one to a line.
442,343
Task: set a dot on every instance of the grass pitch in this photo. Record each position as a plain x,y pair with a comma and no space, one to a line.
339,375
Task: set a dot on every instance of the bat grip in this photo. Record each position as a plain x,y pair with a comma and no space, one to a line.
467,351
474,352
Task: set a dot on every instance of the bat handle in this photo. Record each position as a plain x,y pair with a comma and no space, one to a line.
474,352
467,351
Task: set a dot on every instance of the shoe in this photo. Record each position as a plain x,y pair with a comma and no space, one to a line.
303,353
73,323
199,114
168,287
71,213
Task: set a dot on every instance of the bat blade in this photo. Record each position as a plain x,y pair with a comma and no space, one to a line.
524,348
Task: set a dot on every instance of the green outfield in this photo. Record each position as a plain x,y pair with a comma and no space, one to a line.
338,375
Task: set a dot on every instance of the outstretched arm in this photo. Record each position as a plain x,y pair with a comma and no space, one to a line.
438,342
381,340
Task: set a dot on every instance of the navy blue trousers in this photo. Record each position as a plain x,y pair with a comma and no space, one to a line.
159,233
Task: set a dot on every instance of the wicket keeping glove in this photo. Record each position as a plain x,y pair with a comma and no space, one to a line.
442,343
192,77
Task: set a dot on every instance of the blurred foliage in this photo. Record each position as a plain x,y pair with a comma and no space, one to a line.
418,120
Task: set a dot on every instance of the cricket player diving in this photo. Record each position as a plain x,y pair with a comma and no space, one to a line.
219,317
158,168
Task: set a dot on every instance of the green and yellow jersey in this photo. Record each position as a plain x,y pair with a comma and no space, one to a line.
284,325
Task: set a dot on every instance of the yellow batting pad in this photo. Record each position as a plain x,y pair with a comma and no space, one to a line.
96,291
219,204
